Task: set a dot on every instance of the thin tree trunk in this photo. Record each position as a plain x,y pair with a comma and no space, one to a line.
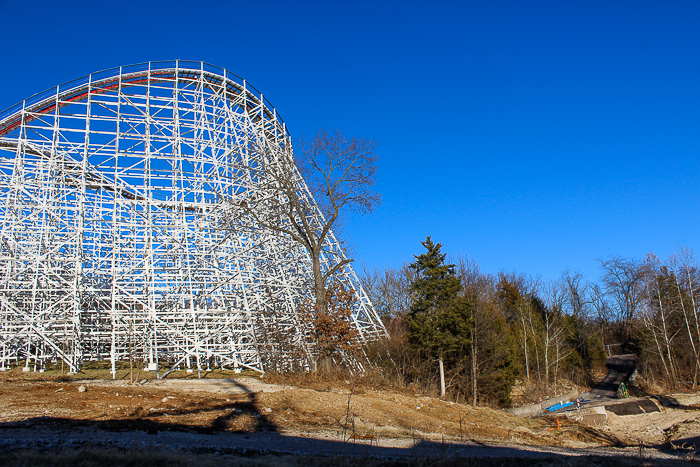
687,327
546,364
527,364
695,316
667,344
670,372
442,380
556,368
547,343
537,352
474,367
650,326
325,362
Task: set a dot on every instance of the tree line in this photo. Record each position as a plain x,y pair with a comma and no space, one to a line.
487,331
483,331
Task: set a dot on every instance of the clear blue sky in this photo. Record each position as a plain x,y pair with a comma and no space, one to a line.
533,136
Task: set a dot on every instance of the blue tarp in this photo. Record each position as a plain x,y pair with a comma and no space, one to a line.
558,406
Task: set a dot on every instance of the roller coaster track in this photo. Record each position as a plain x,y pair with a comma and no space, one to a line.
116,238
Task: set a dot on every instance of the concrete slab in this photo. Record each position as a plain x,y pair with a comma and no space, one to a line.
594,419
633,407
648,405
540,409
627,408
591,416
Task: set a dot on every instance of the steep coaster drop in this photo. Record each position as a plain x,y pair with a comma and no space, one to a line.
117,240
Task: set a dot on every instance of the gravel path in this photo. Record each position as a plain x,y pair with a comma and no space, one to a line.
619,368
222,385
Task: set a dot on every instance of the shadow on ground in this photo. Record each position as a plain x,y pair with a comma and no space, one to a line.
619,368
55,434
260,436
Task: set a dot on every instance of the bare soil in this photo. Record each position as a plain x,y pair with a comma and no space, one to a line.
676,425
251,405
339,412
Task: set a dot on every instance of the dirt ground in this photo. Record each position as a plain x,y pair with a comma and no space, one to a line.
677,423
342,412
250,405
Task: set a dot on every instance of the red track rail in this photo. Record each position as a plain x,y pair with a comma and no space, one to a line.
81,93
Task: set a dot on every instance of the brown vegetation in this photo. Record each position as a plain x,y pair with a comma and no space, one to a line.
297,406
548,333
317,404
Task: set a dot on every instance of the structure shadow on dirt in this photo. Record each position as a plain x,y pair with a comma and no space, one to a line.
57,434
242,427
241,416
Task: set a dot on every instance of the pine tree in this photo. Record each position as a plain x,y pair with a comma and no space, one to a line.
439,317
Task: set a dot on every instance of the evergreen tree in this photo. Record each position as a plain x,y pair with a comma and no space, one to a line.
499,368
440,316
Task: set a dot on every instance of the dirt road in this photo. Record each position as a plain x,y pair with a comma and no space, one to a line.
619,368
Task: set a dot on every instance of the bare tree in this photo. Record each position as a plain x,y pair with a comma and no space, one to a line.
622,283
480,290
553,330
389,290
305,196
515,296
658,313
688,274
578,302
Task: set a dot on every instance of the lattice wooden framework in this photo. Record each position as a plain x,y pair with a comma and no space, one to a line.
113,234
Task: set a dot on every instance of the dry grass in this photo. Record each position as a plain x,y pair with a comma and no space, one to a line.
102,370
338,380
